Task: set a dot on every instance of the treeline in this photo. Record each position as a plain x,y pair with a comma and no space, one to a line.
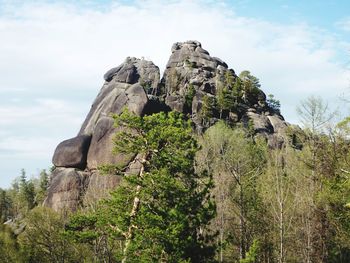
16,204
23,195
289,204
223,196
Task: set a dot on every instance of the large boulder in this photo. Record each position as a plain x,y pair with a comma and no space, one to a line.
190,67
72,152
66,187
126,86
99,187
101,148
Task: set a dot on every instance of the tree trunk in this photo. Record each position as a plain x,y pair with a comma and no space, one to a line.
281,256
135,207
242,249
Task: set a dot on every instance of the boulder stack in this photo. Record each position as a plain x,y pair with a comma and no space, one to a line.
192,78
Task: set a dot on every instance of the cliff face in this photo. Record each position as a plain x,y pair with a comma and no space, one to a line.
193,83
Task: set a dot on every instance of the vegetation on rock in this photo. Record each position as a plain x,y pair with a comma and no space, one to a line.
205,170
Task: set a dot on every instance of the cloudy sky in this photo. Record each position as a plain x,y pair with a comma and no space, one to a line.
53,55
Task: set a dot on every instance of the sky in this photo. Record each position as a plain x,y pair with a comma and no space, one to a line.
53,55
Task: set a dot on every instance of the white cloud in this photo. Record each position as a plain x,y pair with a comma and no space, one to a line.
44,112
53,57
23,147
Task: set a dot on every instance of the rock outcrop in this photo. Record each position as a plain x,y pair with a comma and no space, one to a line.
193,82
77,159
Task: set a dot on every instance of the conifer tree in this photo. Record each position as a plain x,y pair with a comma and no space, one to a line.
160,213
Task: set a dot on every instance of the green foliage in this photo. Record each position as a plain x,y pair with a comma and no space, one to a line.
237,161
296,137
229,78
26,191
344,126
9,249
147,86
250,85
225,100
5,206
228,94
157,214
190,64
43,239
252,254
191,92
333,158
208,108
237,89
274,104
43,185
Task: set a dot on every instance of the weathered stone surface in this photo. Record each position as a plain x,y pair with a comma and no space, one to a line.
190,67
114,98
137,99
65,189
127,86
72,152
99,187
278,123
261,122
101,148
134,70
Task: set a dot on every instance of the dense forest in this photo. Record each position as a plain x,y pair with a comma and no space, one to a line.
223,195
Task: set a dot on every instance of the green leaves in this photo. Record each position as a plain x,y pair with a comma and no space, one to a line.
273,103
156,214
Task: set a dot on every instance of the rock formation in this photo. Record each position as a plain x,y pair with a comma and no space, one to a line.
193,83
76,180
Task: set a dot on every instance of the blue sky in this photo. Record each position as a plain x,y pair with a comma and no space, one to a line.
53,55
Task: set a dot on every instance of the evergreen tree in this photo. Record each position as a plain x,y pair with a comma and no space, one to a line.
26,192
42,187
208,109
5,206
274,104
225,100
250,85
161,213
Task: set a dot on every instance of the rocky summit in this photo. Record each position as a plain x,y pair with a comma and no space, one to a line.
194,83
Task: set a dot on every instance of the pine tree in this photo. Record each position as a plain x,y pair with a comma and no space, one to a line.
161,213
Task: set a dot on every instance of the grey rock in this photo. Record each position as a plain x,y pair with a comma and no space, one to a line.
99,187
137,99
101,148
204,76
113,98
72,152
220,63
65,189
134,70
126,86
261,122
278,123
